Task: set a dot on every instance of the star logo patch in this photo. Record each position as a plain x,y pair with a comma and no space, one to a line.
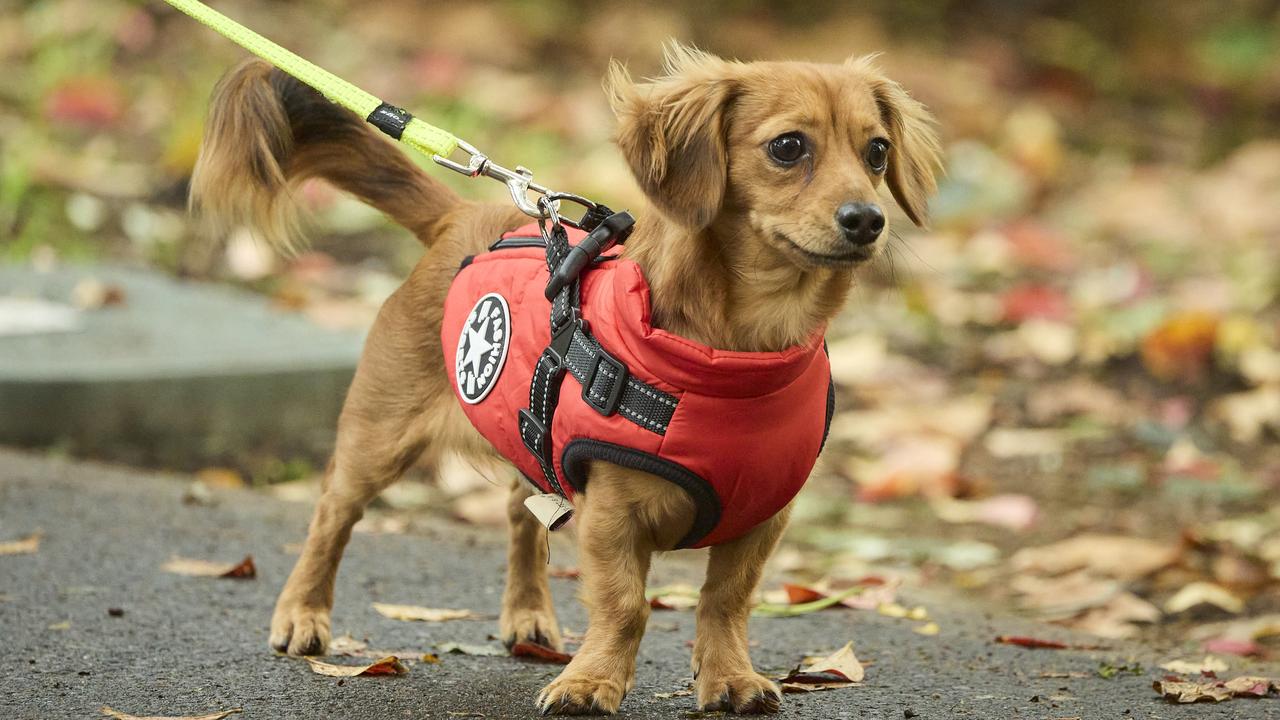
482,348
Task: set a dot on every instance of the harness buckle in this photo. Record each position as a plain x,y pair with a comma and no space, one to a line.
605,401
562,337
534,435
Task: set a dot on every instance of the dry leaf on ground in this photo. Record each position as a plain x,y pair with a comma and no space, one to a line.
422,614
1181,691
243,570
1204,593
112,713
26,546
542,653
1209,664
1041,644
476,650
673,694
1012,511
1117,617
1117,556
347,645
838,670
673,597
389,665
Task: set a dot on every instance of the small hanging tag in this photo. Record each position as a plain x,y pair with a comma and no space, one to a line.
551,510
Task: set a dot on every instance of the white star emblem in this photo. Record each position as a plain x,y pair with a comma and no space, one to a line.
477,347
482,348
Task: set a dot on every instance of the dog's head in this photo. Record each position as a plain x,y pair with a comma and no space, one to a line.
781,155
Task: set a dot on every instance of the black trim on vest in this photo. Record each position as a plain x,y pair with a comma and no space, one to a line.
706,503
517,241
831,402
465,262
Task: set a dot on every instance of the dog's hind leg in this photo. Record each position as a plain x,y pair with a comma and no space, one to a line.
528,614
399,407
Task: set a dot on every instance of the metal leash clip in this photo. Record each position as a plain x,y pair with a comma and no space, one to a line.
519,183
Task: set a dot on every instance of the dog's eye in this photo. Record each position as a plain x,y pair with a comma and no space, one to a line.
789,148
878,155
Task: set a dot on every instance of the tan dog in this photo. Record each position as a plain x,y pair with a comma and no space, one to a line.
764,177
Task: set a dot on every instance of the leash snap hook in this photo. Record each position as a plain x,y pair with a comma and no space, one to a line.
519,182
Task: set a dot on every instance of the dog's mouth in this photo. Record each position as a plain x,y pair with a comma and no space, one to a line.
854,256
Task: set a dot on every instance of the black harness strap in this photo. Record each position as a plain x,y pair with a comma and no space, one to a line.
607,386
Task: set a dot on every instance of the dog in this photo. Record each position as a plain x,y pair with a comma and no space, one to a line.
764,180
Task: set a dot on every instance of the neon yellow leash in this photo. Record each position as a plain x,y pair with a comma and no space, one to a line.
394,121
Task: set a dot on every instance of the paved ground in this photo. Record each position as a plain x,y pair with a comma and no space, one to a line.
187,645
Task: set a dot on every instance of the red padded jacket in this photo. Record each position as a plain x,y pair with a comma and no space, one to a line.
738,431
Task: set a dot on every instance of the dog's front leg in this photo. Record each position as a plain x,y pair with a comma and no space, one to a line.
528,614
614,546
723,676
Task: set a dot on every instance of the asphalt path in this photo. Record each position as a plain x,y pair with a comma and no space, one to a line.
91,620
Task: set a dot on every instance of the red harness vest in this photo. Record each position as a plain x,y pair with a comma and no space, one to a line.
738,431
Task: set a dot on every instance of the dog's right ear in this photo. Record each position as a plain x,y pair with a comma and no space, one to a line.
671,130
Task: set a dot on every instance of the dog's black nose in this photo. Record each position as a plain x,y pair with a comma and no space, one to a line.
862,222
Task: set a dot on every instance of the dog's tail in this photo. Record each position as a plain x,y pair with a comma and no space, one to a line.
267,132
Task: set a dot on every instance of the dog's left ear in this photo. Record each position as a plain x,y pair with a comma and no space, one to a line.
915,154
672,132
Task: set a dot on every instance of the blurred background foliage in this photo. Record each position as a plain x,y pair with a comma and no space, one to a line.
1087,339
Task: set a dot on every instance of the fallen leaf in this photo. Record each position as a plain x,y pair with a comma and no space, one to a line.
26,546
839,669
540,652
109,712
1209,664
1116,618
422,614
220,478
347,645
1116,556
1012,511
674,694
243,570
1181,691
1248,414
770,610
1204,593
928,629
1026,302
1107,671
1030,642
389,665
1232,646
672,597
1182,347
1004,443
476,650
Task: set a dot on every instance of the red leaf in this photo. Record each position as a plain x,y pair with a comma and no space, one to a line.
1031,642
797,594
1027,302
540,652
1228,646
86,101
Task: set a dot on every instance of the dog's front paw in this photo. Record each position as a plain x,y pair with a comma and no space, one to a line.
300,630
744,693
579,694
533,625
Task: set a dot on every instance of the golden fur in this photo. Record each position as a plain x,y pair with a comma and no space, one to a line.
740,253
